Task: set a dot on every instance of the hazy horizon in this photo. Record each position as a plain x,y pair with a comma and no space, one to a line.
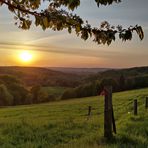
73,67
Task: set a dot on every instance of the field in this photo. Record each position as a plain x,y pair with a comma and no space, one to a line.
64,124
56,92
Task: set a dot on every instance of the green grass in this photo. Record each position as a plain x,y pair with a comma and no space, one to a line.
64,124
54,91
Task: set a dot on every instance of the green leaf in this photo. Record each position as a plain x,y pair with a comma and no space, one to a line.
140,32
45,22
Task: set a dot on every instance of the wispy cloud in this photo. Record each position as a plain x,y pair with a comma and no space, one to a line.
55,49
73,51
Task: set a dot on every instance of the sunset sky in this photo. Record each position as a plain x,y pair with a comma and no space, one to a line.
56,49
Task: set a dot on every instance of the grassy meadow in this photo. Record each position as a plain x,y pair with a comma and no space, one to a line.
55,91
64,124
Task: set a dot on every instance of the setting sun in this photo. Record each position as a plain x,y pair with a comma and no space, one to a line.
25,56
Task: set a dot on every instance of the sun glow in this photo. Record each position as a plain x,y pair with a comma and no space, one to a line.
25,56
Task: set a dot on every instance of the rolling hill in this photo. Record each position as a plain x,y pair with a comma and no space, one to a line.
120,79
41,76
79,71
67,77
64,124
116,73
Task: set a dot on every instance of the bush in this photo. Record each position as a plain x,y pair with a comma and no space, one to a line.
11,87
38,94
5,96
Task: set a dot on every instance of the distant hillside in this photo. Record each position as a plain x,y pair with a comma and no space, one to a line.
39,83
43,76
121,80
69,77
116,73
80,71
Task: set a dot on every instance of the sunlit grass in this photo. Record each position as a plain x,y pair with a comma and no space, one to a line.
64,123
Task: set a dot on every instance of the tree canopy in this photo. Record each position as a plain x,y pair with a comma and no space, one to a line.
59,15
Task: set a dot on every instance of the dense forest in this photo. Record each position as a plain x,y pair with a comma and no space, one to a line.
28,85
13,92
41,76
121,80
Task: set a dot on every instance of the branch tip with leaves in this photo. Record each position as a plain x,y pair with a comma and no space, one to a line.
56,18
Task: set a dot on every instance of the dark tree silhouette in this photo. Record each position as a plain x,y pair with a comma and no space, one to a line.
122,82
57,17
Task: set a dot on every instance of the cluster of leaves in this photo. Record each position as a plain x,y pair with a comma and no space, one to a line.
57,18
106,2
70,4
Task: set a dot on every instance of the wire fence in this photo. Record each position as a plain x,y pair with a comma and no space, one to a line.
126,107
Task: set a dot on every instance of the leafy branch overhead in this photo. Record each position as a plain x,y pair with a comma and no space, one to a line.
57,16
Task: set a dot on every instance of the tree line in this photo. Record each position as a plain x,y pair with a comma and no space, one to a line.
95,87
13,92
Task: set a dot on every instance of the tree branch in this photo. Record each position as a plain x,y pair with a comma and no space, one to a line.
58,19
18,7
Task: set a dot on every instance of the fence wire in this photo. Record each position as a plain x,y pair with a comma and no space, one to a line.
125,107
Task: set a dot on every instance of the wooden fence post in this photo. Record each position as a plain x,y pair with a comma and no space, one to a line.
135,107
146,103
108,112
113,121
89,112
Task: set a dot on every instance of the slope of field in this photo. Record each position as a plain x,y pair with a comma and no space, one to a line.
64,124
